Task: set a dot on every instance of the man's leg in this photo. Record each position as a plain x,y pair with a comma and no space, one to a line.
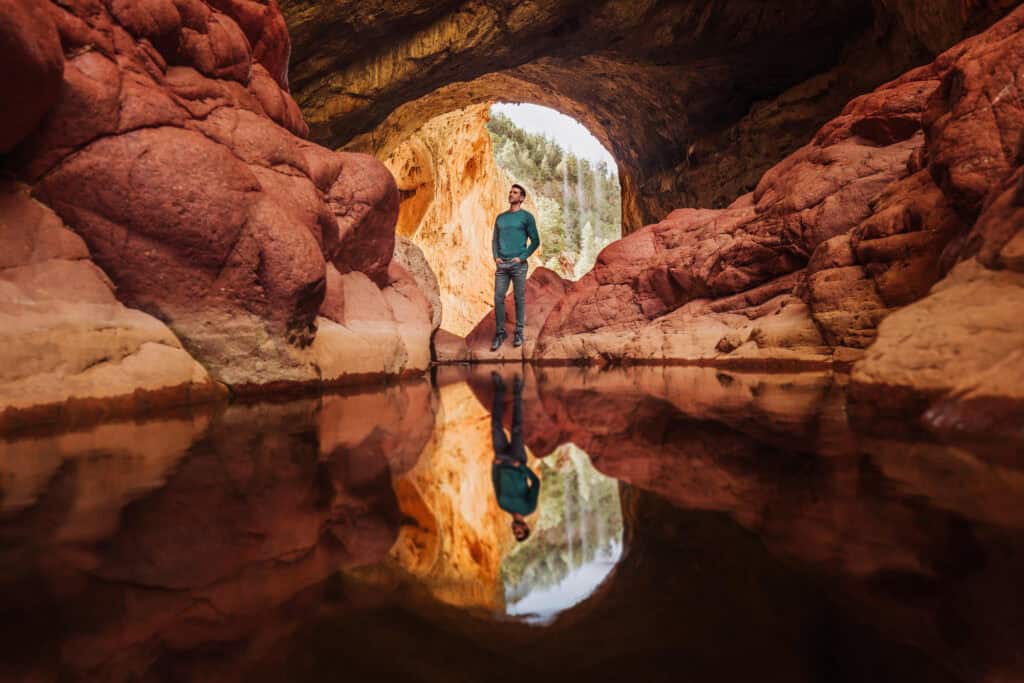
498,440
501,280
519,285
518,449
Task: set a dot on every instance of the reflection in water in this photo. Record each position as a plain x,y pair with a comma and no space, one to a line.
758,537
516,486
577,542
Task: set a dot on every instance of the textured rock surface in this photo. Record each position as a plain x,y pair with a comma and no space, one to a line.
30,73
451,193
68,347
175,151
887,198
694,99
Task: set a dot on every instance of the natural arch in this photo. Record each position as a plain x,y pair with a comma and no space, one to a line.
452,185
668,87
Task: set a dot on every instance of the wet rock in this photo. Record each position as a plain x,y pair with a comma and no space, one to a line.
450,348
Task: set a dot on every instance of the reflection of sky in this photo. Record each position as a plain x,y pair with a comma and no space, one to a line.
542,605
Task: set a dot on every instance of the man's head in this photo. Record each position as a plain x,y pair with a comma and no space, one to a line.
520,529
516,194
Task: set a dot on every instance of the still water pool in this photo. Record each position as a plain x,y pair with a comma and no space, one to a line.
684,524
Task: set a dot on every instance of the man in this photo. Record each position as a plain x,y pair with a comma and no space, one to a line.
515,485
509,247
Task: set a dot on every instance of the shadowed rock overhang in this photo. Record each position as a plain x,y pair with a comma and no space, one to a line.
694,99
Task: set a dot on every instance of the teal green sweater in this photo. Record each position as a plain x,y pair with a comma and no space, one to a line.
511,229
512,489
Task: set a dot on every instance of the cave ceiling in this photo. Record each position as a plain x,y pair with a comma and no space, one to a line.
655,81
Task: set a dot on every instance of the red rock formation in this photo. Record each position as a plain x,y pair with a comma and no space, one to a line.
70,350
174,149
865,219
30,73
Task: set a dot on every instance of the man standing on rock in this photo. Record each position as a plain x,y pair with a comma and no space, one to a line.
510,250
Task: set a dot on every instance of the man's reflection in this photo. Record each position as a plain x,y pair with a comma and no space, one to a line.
515,485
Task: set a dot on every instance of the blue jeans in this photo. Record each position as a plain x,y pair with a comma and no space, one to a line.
516,272
503,448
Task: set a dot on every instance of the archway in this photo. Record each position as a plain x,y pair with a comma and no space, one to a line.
668,87
453,174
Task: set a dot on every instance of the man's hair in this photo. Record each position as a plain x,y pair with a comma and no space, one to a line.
522,190
521,525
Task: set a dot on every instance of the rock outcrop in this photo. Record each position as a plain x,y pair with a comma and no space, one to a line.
70,349
174,150
913,189
30,75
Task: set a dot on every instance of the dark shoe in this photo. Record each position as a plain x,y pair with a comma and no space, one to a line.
517,340
499,339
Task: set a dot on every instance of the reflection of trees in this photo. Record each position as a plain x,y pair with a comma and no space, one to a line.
579,520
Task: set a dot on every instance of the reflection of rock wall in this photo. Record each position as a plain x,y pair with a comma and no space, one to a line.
459,535
128,544
877,517
451,192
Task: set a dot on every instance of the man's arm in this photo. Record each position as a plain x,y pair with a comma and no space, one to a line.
531,233
494,240
495,481
534,490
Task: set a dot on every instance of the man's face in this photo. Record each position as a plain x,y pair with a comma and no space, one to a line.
515,196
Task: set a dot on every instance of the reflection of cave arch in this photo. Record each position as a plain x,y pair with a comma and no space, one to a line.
667,87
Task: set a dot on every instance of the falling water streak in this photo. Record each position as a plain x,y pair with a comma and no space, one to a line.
598,179
581,202
566,521
585,547
565,197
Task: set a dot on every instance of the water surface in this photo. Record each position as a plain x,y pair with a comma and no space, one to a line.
692,524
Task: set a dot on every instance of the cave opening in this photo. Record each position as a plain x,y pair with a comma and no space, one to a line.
454,172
